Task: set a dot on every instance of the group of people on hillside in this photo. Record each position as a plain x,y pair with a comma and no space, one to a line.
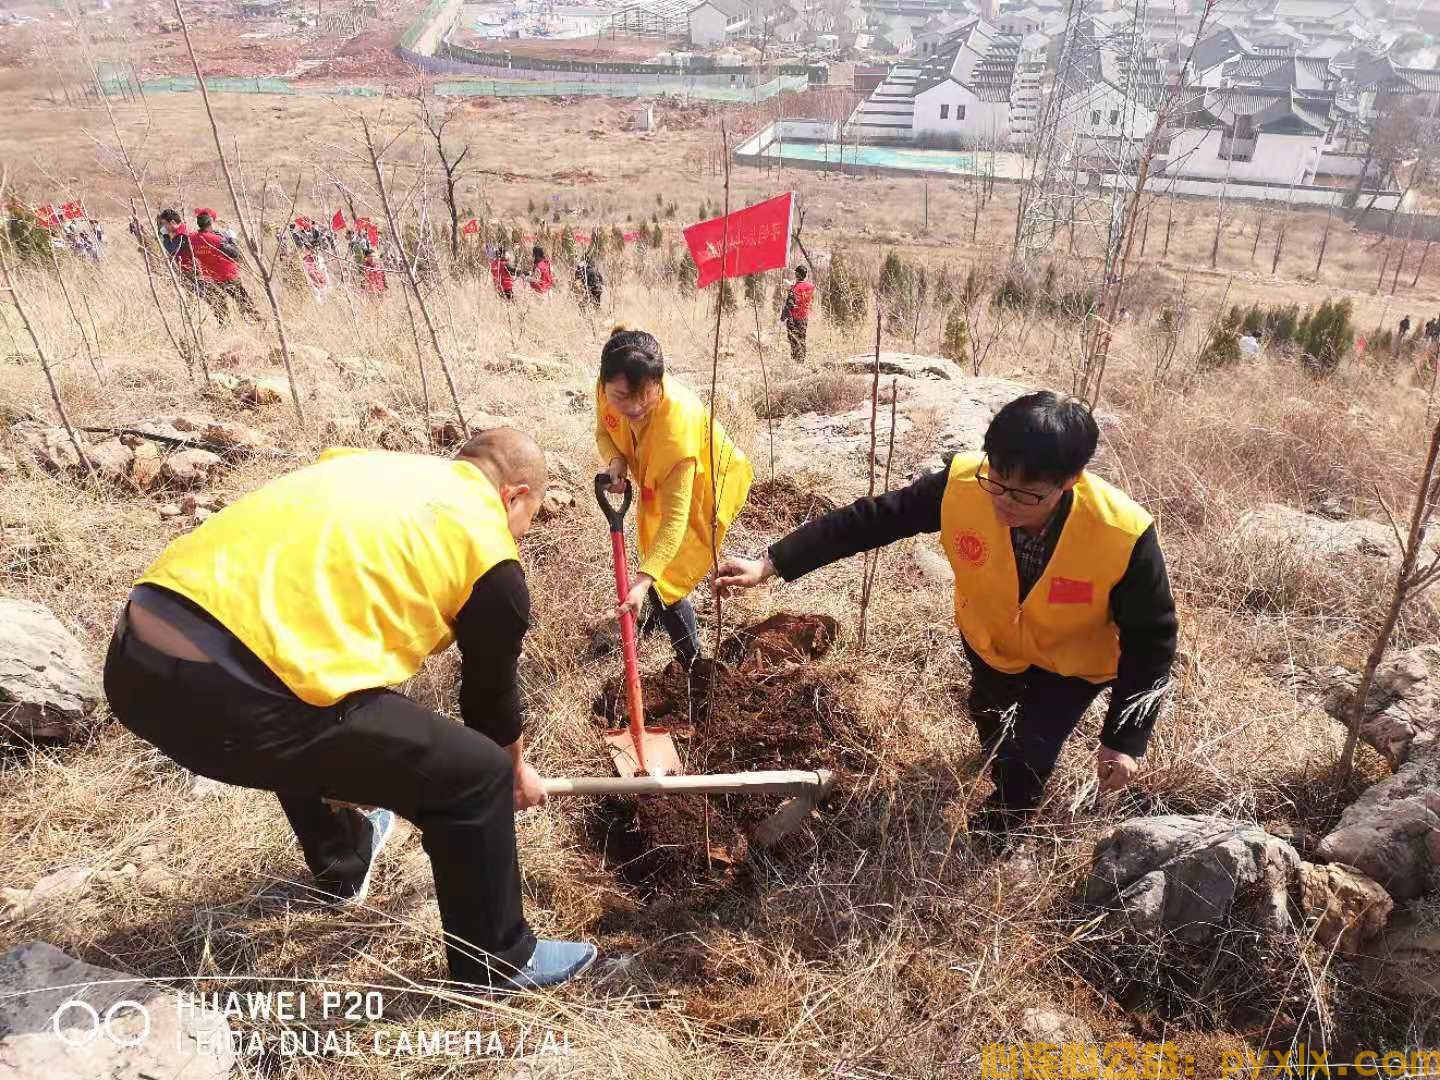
224,659
208,260
589,281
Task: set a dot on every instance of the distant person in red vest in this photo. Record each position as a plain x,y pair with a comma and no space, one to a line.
502,271
218,260
796,312
542,278
175,237
374,274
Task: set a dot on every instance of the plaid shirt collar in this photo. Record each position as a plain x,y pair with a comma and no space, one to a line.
1033,551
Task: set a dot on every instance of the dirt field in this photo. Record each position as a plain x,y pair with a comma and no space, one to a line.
578,158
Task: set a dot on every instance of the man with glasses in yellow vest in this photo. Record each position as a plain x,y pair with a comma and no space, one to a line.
260,649
1060,592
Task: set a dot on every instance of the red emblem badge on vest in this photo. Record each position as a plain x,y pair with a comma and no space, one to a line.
970,546
647,494
1069,591
612,421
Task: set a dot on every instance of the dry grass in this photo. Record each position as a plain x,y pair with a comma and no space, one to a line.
878,943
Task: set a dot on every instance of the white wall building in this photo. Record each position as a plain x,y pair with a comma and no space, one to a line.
961,93
1273,138
714,22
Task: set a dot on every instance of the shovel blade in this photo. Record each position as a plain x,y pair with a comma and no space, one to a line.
661,756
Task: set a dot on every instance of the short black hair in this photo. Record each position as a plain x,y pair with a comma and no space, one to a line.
204,221
800,272
538,252
1042,436
634,354
170,215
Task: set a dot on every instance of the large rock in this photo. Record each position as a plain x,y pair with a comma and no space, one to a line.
1348,908
112,460
900,363
1392,832
234,438
48,447
1193,876
145,466
47,686
357,369
1402,713
1319,537
256,392
953,413
146,1032
191,468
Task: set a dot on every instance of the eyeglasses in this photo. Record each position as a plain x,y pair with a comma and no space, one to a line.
1019,495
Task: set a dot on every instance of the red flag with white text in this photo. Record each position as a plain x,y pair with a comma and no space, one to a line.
749,241
470,228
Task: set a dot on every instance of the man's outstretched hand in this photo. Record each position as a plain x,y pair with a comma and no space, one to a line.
737,573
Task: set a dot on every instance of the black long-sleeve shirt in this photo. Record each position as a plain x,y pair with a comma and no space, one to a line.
1141,605
490,630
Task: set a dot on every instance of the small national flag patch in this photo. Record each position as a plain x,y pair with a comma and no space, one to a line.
1070,591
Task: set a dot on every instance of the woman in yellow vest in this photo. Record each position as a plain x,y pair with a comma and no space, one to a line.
656,432
1060,592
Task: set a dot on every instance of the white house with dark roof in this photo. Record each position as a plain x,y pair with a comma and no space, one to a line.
961,92
1251,134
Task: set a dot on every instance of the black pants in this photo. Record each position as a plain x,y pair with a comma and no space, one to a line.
1024,720
374,748
678,621
217,292
795,330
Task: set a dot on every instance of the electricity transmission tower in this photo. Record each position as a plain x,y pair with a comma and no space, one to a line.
1094,126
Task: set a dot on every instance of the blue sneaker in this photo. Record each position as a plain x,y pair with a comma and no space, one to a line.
382,825
552,963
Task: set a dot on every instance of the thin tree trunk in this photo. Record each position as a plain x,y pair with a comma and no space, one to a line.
1169,224
765,378
75,315
1424,254
18,301
410,275
1324,238
874,413
1419,516
265,271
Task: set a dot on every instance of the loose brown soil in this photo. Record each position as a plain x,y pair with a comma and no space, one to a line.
763,707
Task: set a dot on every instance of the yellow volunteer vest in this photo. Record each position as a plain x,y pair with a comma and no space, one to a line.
1064,625
679,430
345,575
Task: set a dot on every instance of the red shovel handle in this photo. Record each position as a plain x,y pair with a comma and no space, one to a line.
627,621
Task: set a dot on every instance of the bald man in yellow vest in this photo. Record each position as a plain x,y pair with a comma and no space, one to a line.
260,649
1060,592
